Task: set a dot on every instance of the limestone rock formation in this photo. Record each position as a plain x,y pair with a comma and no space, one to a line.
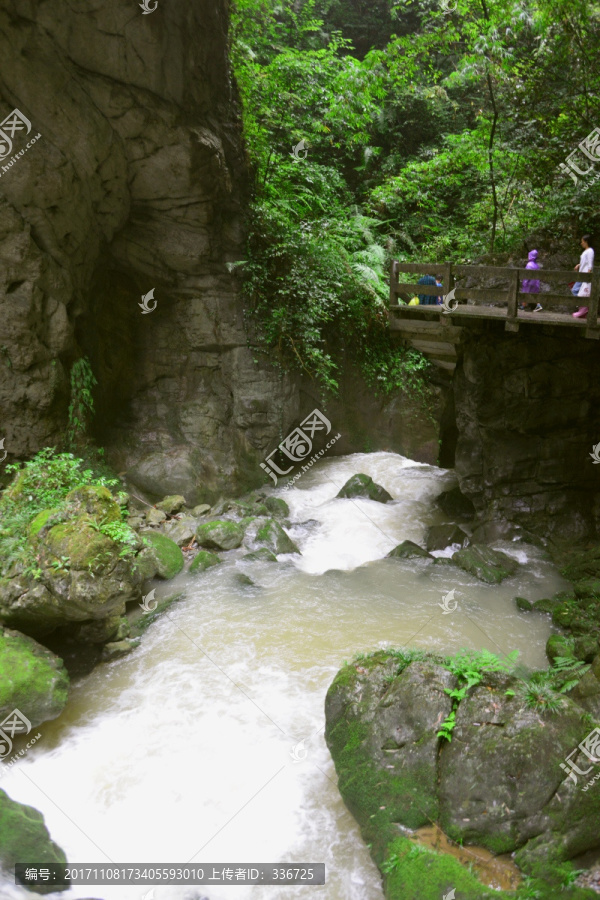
136,183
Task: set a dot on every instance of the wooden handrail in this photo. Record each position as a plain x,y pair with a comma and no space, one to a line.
510,294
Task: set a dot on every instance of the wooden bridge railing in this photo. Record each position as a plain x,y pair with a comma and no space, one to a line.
481,298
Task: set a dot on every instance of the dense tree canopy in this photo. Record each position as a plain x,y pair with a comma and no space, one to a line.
441,136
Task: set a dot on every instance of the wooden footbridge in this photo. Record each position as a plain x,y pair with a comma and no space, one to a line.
437,330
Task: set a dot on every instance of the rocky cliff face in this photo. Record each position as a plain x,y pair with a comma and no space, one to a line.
136,183
528,417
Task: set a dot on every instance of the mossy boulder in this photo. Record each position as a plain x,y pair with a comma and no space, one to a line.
25,838
363,486
181,530
558,645
168,555
268,534
172,504
262,554
581,616
204,559
76,571
523,604
383,714
406,550
491,566
277,507
220,535
546,604
32,679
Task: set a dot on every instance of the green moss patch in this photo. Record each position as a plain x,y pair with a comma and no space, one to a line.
168,555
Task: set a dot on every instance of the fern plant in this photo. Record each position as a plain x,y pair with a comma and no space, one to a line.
469,667
81,407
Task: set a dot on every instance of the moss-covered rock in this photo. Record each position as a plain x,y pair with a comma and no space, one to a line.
262,554
83,565
220,535
406,550
268,534
169,556
155,517
491,566
546,605
181,530
172,504
523,604
277,507
361,485
558,645
25,838
32,679
204,559
383,714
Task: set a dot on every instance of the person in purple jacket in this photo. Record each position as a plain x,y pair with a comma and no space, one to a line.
531,285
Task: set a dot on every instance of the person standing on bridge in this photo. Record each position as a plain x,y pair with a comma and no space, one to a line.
425,299
531,285
585,264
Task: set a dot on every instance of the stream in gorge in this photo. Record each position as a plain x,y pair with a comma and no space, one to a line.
206,743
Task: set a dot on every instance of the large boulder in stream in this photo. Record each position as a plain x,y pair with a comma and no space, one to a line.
32,679
497,783
488,565
86,564
268,534
220,535
25,838
363,486
407,550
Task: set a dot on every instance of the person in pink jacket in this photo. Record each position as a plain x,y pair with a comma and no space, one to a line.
531,285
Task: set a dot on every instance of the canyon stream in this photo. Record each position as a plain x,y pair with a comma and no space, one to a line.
206,743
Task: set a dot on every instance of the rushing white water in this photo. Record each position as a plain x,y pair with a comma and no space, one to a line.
186,751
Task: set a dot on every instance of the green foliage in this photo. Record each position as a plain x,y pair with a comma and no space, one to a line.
121,533
42,483
443,142
81,407
469,667
544,690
